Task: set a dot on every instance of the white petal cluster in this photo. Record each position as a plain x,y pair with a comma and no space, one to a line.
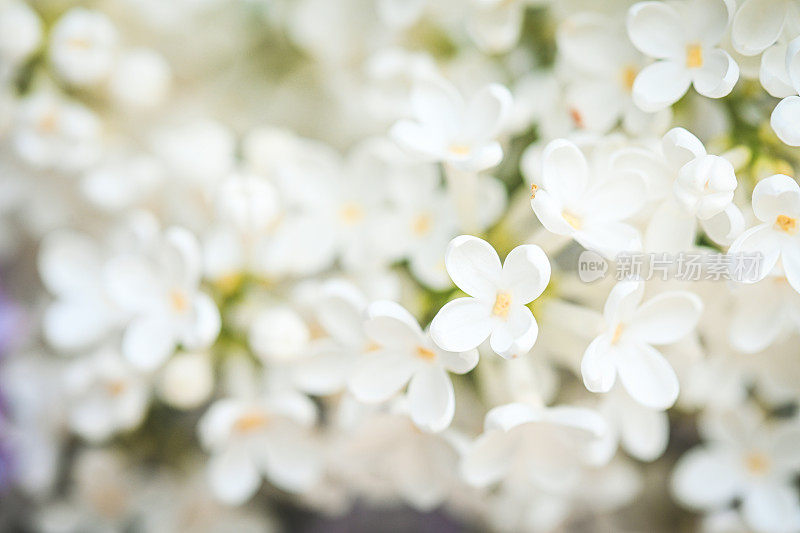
530,265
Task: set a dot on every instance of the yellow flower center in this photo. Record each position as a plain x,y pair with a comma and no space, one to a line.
617,333
425,353
534,188
757,463
115,387
694,56
251,421
502,304
628,77
577,118
178,300
351,214
48,122
572,219
786,224
459,149
421,225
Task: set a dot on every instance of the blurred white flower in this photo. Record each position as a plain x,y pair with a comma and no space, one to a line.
83,46
105,394
20,32
450,130
742,458
776,205
547,446
55,133
498,296
406,354
160,288
684,37
251,437
625,348
573,202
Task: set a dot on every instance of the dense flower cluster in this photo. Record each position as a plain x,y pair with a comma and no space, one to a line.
327,252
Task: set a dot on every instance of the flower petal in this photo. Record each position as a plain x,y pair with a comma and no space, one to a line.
757,25
660,85
725,226
459,362
656,29
706,478
148,342
487,112
680,146
609,237
666,318
381,375
461,325
526,273
622,302
488,459
647,376
717,76
644,432
548,210
473,266
390,325
759,239
771,507
785,120
233,477
597,365
565,172
516,335
774,196
431,398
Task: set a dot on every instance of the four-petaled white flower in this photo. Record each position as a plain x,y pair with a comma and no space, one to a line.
83,46
744,458
776,203
572,201
684,37
498,296
759,23
406,354
251,437
161,290
543,445
625,348
450,130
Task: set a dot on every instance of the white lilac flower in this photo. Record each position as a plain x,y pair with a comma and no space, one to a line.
702,193
406,354
743,458
591,209
388,449
253,437
776,205
496,307
55,133
684,38
83,46
597,48
449,130
758,24
547,446
105,395
626,350
159,287
71,267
